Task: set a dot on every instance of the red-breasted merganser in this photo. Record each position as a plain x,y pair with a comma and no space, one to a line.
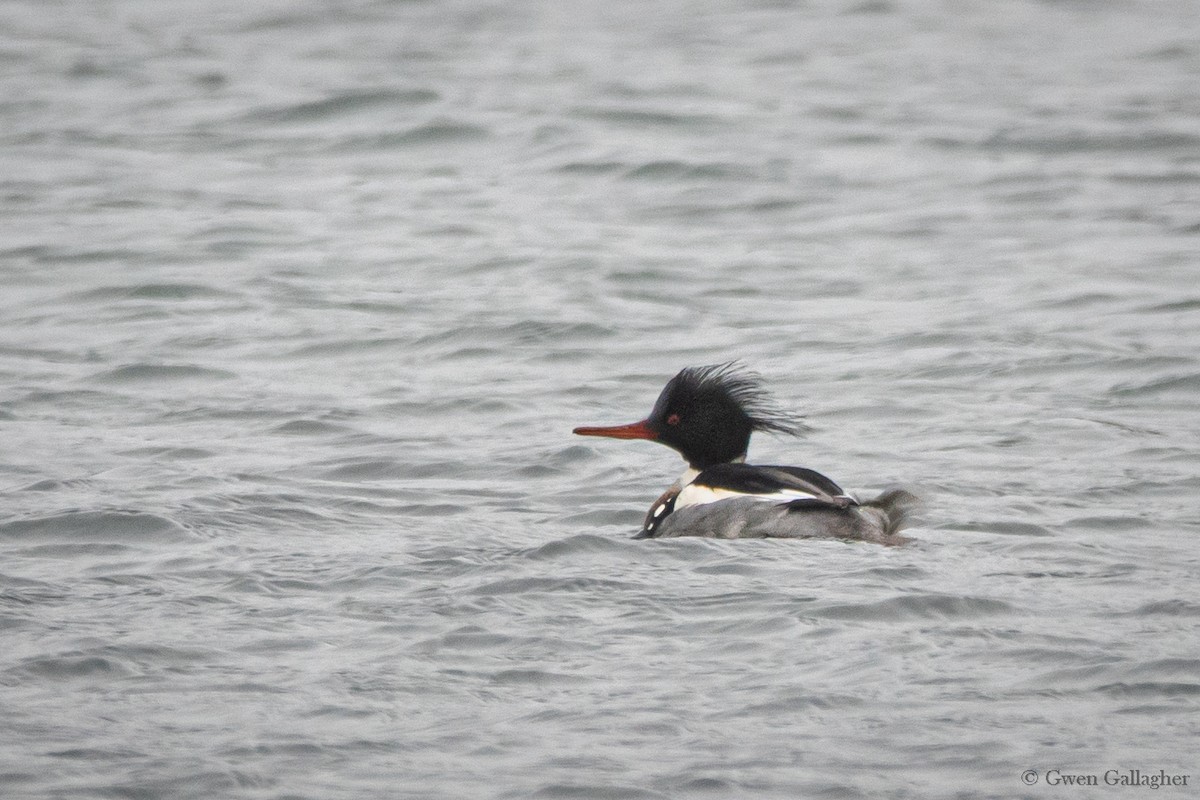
707,414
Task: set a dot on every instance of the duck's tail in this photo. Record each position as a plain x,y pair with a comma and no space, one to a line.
897,507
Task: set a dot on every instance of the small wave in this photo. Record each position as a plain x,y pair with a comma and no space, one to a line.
1143,689
170,453
683,170
870,7
363,469
1170,383
1006,527
1167,668
24,594
916,606
339,347
536,677
1164,677
95,753
436,510
627,518
154,291
433,133
596,791
1114,523
69,398
143,372
535,585
524,333
1170,52
128,527
55,485
311,427
1169,608
1169,178
592,167
344,103
1085,299
474,638
1191,304
116,256
74,666
742,569
638,118
1093,142
896,575
573,547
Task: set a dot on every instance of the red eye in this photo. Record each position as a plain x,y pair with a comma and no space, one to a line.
673,419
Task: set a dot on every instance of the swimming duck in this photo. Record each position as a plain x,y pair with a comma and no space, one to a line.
707,414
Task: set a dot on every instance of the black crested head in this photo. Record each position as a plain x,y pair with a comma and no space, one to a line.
708,413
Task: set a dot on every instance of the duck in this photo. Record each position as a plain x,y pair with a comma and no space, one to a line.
707,414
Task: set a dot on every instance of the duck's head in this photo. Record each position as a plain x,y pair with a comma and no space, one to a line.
707,414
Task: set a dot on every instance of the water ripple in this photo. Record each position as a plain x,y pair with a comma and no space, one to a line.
121,527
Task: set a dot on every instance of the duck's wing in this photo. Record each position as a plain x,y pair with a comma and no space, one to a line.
809,479
796,486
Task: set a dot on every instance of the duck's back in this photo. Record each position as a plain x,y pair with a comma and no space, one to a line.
747,518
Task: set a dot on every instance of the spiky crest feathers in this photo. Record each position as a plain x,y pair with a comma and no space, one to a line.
743,387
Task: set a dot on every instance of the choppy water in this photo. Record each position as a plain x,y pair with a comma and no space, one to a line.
301,302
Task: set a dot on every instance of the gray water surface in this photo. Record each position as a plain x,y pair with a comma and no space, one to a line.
301,302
